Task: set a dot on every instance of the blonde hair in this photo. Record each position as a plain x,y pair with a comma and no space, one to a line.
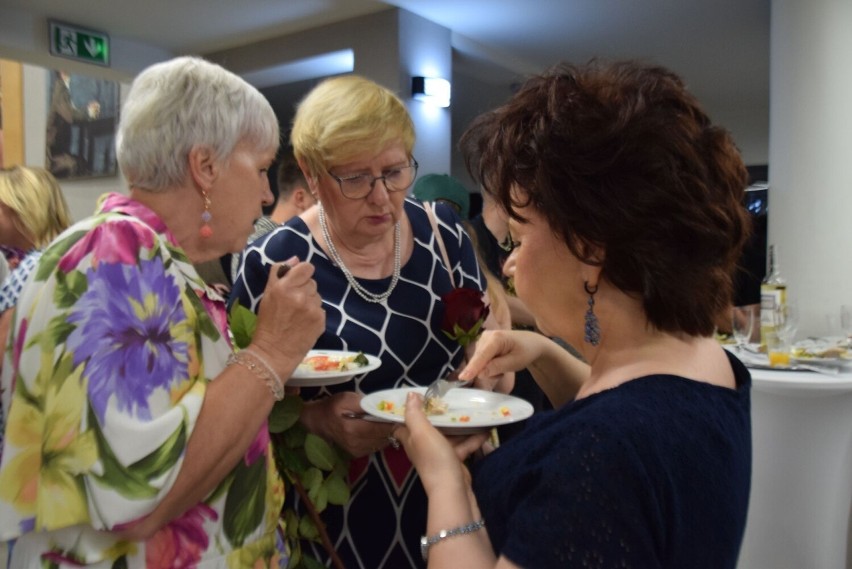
344,117
36,198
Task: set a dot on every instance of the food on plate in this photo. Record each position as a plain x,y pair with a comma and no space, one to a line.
327,363
435,406
820,351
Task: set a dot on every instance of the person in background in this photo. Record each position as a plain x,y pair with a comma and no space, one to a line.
625,207
293,198
383,261
294,194
32,213
443,188
135,436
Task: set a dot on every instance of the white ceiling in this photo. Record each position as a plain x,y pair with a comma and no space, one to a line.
721,47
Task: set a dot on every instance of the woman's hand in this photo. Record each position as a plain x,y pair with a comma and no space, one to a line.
437,458
332,419
555,369
290,317
499,352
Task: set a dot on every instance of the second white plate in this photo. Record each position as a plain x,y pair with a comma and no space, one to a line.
469,410
304,377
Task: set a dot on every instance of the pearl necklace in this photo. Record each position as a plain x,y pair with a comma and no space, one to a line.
356,286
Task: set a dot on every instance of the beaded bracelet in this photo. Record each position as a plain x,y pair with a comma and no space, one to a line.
427,542
259,366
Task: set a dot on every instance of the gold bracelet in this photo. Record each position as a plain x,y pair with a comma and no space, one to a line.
427,542
259,366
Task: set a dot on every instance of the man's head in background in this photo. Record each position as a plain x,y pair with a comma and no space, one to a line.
293,194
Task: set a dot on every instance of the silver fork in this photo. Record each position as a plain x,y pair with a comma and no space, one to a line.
441,386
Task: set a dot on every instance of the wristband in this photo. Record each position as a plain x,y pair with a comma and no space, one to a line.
427,542
259,366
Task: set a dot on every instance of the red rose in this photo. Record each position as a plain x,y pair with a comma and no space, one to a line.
464,314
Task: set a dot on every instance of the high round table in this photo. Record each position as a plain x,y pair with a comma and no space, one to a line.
801,488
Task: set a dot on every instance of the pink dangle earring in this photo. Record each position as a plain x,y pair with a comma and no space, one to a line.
206,231
592,328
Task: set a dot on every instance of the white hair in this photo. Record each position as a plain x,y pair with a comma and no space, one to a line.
182,103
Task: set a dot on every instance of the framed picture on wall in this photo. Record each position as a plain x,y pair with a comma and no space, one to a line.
82,114
11,114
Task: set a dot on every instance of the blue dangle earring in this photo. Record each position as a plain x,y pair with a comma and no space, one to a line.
592,329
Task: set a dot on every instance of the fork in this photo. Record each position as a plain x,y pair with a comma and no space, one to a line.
441,386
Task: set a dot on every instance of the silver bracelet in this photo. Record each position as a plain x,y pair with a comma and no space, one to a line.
427,542
261,368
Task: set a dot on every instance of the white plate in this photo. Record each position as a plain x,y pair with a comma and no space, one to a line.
837,361
304,377
483,409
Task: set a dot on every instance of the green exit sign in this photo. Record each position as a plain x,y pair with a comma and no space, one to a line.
78,43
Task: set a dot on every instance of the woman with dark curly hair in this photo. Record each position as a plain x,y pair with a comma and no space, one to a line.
625,208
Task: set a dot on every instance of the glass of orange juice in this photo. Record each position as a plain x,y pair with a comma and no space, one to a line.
778,348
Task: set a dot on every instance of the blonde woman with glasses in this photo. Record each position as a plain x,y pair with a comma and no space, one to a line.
381,273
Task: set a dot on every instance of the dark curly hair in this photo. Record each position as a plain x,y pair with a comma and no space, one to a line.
620,156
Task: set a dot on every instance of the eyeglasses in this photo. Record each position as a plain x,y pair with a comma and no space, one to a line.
361,185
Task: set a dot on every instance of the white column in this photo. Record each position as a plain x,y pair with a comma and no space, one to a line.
802,470
810,154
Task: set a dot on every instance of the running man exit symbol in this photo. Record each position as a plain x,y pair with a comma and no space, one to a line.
79,43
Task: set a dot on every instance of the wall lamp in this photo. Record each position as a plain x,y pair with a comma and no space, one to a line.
432,90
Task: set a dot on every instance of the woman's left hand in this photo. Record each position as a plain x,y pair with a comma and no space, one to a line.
437,458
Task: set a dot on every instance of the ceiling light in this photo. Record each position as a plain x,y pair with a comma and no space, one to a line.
432,90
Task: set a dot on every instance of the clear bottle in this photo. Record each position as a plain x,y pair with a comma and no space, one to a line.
773,294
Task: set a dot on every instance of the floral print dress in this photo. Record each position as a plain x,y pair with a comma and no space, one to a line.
113,343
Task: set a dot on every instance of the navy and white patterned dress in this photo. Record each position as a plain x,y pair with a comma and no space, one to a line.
381,526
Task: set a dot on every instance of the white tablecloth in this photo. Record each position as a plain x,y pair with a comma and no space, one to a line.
802,471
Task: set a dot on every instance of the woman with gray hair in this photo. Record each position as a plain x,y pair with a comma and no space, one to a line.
136,436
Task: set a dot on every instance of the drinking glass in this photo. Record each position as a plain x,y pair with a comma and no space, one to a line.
787,321
846,322
779,342
742,325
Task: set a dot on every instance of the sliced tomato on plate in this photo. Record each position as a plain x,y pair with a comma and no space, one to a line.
322,363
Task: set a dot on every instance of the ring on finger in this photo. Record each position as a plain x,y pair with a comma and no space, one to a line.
394,442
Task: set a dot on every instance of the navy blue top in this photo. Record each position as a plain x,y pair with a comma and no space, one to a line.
381,525
654,473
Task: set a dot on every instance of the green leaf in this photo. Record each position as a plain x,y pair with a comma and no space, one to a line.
285,414
311,479
319,452
293,462
295,550
311,563
294,437
291,522
319,497
242,322
307,529
206,325
128,482
337,490
245,506
57,330
69,288
54,253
